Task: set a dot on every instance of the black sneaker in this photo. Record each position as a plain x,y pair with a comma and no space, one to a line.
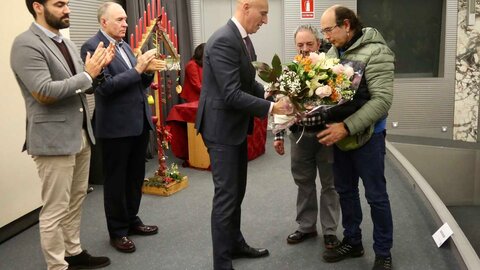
343,251
330,241
86,261
382,263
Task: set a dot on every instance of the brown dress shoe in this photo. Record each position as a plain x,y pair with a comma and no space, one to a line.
143,229
123,244
299,236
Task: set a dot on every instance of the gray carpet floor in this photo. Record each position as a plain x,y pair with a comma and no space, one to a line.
268,216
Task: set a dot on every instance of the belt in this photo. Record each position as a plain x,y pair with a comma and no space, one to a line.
316,128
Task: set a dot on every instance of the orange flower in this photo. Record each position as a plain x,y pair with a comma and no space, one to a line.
335,97
306,62
339,79
307,68
298,58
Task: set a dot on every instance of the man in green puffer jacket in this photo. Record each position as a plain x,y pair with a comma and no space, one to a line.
364,156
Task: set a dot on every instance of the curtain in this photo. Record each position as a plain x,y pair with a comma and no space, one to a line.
178,12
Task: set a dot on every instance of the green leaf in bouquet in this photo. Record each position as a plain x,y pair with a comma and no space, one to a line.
322,76
292,66
264,71
266,76
276,66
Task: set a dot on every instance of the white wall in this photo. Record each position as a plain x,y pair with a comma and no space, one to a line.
19,182
209,15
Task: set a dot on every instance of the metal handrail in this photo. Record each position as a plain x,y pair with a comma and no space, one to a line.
465,249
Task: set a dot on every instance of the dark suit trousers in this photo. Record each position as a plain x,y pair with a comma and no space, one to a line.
124,167
229,172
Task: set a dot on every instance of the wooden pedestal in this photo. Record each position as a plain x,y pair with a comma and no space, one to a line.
168,190
197,152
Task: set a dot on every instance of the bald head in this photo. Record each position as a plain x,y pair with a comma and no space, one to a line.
329,15
251,14
103,9
331,9
339,24
113,20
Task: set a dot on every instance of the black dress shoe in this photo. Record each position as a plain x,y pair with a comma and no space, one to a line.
331,241
123,244
298,237
247,251
143,229
86,261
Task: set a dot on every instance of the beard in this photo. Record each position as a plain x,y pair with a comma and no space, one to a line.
57,23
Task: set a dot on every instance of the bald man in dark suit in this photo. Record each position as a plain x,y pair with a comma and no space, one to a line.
229,100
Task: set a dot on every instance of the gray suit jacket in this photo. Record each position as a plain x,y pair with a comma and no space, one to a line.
55,99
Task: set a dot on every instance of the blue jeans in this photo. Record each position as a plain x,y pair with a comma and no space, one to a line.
366,163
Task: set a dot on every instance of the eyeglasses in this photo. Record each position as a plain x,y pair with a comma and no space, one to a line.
328,30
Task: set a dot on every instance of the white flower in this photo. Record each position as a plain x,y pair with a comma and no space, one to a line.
329,63
348,72
317,58
338,69
323,91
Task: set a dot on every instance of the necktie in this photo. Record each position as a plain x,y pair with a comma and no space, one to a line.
119,46
250,49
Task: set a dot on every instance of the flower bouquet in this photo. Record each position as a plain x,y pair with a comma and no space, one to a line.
311,82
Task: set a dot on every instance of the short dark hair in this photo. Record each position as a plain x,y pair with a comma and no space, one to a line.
343,13
198,54
30,6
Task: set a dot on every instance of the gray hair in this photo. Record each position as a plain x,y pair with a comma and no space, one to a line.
103,9
308,27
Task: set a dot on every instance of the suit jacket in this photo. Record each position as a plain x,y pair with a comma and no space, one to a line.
193,82
55,98
230,96
121,106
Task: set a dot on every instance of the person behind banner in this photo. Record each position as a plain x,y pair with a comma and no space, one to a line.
122,121
308,156
53,81
193,76
352,42
229,100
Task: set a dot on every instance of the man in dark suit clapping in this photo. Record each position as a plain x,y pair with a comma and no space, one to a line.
229,100
122,122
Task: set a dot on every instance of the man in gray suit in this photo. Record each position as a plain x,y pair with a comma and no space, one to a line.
229,100
53,81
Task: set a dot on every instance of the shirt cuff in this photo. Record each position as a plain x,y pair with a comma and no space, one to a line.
88,76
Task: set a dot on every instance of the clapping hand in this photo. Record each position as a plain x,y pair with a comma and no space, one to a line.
144,59
110,54
156,65
95,63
